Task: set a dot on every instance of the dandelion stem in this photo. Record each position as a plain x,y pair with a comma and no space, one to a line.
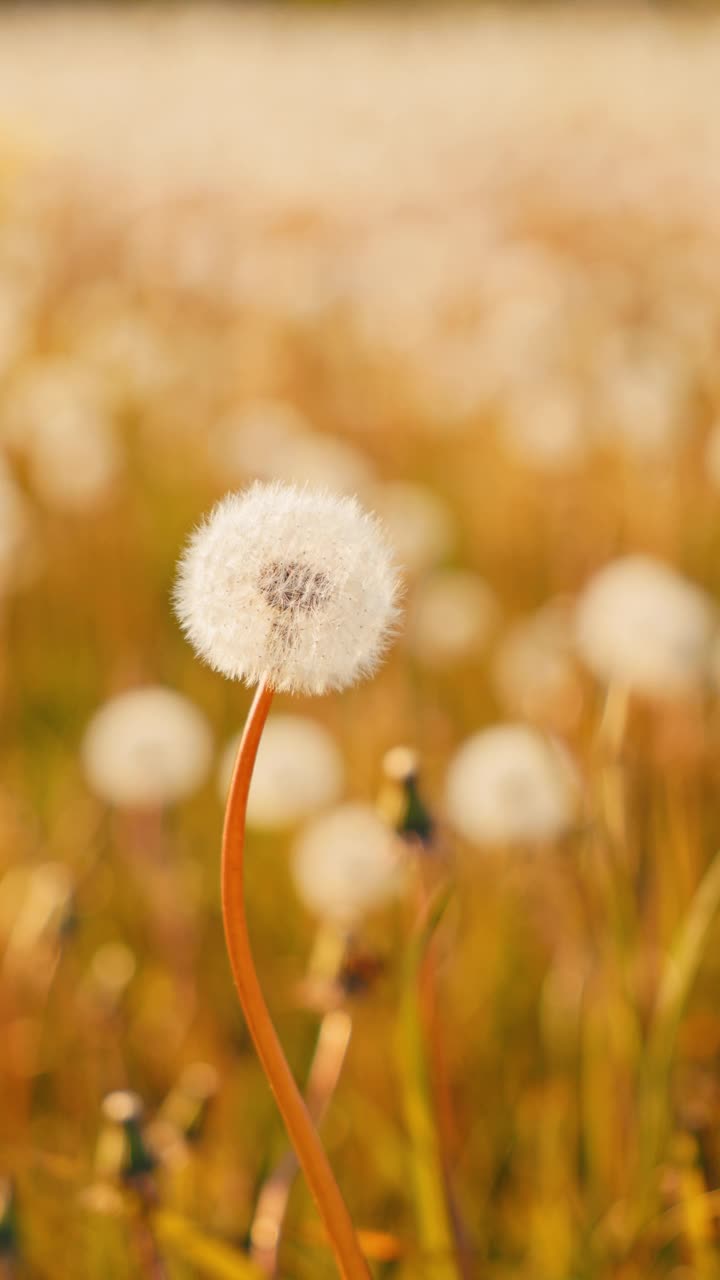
312,1157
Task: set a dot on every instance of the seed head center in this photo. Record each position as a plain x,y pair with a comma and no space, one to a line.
291,586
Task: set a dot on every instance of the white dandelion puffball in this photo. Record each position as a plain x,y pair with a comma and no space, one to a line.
641,624
544,426
148,747
419,524
289,583
511,785
346,863
451,618
74,462
299,770
58,417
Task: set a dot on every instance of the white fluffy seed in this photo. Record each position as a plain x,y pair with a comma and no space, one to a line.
289,583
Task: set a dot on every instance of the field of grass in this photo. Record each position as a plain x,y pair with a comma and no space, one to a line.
466,266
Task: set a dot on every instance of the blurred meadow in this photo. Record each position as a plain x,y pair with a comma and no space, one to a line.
465,264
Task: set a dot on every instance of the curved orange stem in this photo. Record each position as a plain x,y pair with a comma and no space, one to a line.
301,1130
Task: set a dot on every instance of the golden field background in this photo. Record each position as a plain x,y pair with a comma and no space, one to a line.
469,252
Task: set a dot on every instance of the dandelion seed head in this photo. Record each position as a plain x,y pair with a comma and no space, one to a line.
299,770
59,419
148,747
545,423
74,462
346,863
452,617
293,583
641,624
510,784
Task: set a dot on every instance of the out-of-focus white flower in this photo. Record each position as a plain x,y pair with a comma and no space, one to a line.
272,441
299,770
42,389
148,747
544,426
74,461
641,624
346,862
293,584
534,665
58,419
451,618
509,785
418,522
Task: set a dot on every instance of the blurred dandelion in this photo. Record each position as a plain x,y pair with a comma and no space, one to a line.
74,462
59,421
545,425
645,627
299,770
147,747
511,785
346,862
451,617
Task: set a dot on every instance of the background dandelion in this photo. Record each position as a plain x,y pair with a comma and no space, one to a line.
346,862
509,785
146,747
